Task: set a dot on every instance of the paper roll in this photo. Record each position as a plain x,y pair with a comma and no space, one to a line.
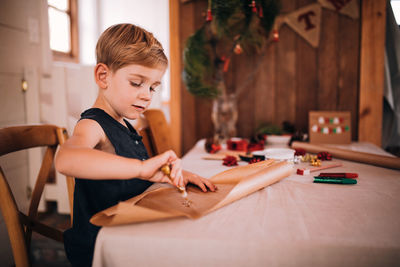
373,159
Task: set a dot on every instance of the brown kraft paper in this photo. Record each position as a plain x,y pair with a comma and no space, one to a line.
164,203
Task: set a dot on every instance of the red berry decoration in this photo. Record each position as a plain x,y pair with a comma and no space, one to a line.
324,155
254,160
230,161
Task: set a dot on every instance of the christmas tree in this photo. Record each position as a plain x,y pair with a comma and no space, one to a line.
232,27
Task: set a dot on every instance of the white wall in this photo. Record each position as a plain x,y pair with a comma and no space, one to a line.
20,58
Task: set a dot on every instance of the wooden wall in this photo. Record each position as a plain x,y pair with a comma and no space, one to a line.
292,78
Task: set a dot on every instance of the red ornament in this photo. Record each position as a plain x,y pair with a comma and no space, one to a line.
226,64
238,145
238,49
230,161
209,15
253,5
260,11
275,35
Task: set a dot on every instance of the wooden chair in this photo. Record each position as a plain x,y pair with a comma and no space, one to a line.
145,134
20,225
157,136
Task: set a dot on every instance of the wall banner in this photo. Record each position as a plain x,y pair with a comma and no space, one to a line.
306,21
346,7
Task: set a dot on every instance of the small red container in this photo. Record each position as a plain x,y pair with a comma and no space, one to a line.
237,144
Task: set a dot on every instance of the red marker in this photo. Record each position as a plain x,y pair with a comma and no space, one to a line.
338,175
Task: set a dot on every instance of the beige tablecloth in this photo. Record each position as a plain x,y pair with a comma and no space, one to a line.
292,223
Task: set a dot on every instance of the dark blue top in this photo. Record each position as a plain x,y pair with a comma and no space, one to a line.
92,196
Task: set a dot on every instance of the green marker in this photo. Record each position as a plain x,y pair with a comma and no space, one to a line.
335,180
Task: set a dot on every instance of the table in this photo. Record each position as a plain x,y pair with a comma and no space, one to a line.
291,223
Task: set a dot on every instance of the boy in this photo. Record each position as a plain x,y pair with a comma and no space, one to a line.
105,151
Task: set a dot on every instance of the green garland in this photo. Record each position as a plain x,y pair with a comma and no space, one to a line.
234,22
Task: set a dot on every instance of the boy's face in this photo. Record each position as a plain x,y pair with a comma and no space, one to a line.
131,88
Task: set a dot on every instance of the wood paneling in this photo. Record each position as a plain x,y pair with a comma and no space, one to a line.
175,69
292,78
372,70
348,57
187,24
264,102
328,71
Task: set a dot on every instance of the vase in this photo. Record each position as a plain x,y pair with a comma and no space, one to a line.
224,117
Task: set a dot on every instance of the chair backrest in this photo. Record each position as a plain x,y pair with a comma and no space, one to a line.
145,133
158,131
20,225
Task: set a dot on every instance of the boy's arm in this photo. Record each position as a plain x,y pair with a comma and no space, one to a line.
77,157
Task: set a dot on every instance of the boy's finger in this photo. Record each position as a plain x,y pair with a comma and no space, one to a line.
210,185
167,179
171,155
176,172
202,186
173,172
178,180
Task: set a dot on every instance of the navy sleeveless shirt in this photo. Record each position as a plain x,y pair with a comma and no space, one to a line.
92,196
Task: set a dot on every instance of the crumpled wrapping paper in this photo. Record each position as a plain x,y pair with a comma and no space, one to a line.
167,202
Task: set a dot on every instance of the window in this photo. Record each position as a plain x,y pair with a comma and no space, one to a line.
63,29
396,10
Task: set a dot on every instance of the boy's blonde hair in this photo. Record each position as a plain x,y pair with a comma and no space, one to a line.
125,44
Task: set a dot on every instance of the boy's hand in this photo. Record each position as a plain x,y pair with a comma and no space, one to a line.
176,173
151,169
203,183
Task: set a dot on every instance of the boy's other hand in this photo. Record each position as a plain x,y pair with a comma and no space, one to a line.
203,183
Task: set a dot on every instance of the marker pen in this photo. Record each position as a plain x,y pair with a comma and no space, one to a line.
334,180
338,174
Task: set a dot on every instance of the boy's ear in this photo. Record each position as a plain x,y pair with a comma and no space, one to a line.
101,72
